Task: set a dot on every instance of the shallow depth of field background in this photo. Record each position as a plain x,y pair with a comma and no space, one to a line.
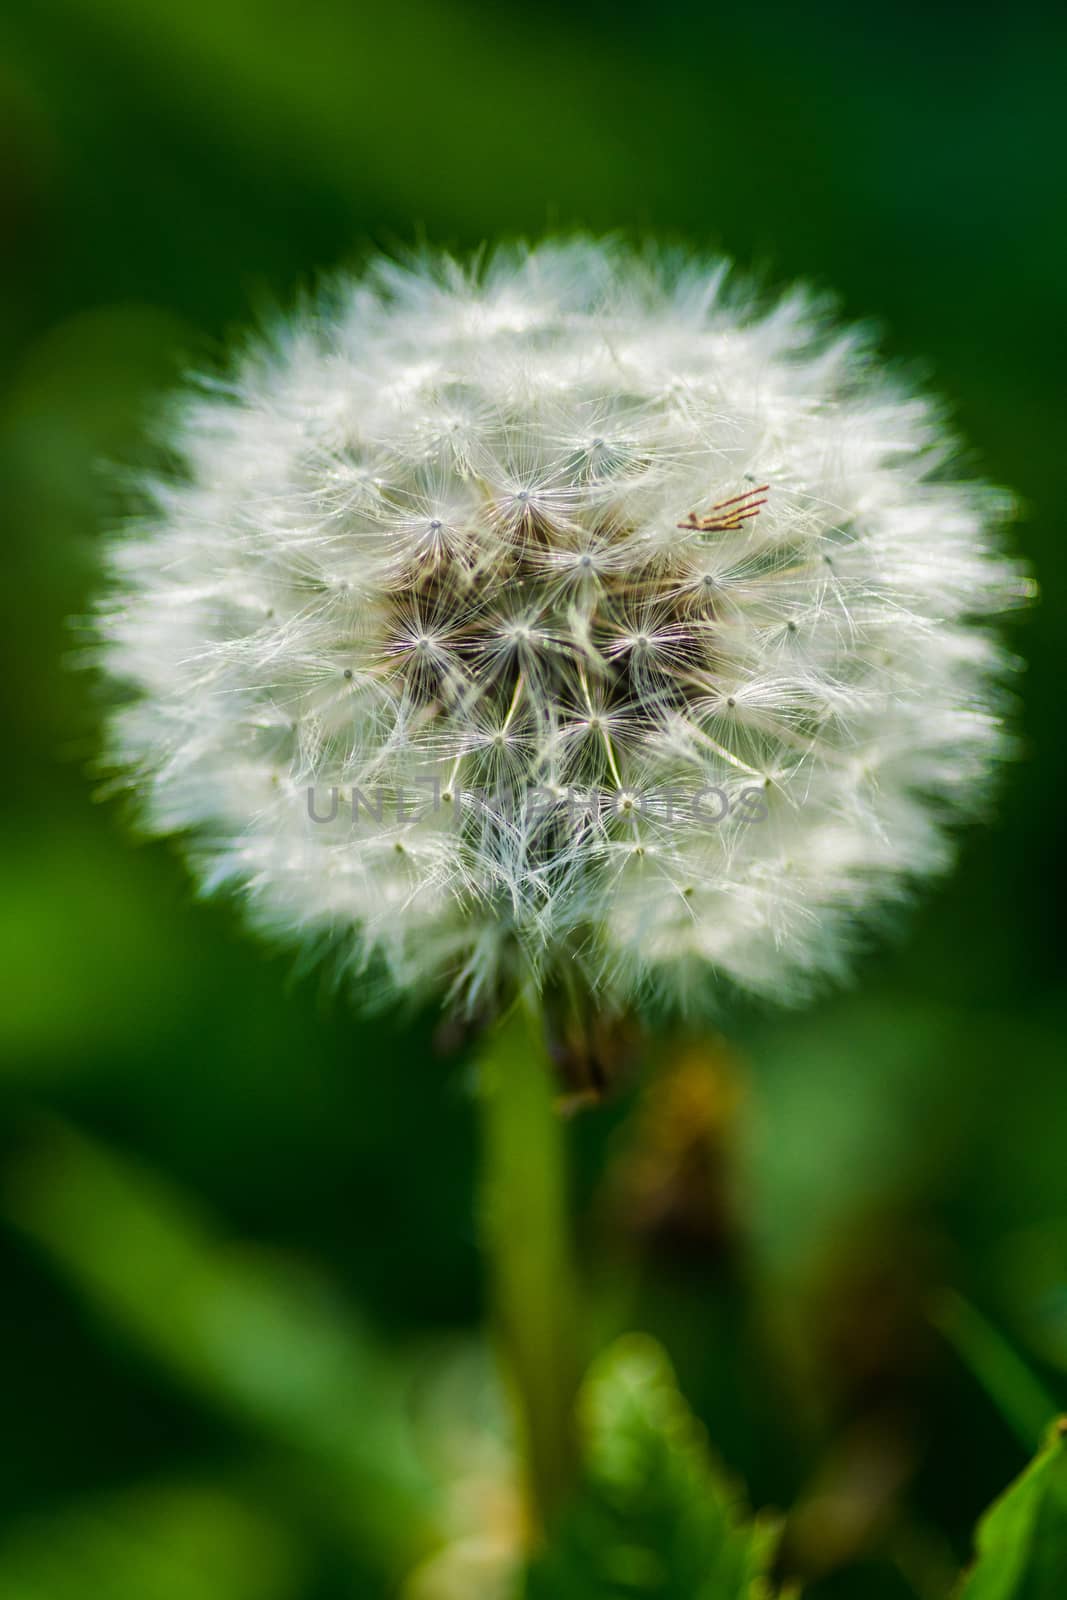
239,1273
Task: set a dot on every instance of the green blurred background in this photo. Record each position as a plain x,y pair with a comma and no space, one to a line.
239,1348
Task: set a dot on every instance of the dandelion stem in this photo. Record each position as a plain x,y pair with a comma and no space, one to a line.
525,1218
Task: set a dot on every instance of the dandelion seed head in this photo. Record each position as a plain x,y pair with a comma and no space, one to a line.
558,542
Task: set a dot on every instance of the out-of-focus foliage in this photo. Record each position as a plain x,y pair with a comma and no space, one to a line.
193,1407
1022,1539
253,1335
159,1541
653,1515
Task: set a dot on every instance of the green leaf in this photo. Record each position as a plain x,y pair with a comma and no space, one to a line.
1022,1539
654,1516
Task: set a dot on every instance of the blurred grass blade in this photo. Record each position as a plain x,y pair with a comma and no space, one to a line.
173,1542
1022,1539
251,1333
1021,1399
654,1514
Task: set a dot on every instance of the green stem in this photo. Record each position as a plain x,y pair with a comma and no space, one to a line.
526,1228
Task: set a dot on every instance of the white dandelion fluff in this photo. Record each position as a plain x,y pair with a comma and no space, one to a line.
575,617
